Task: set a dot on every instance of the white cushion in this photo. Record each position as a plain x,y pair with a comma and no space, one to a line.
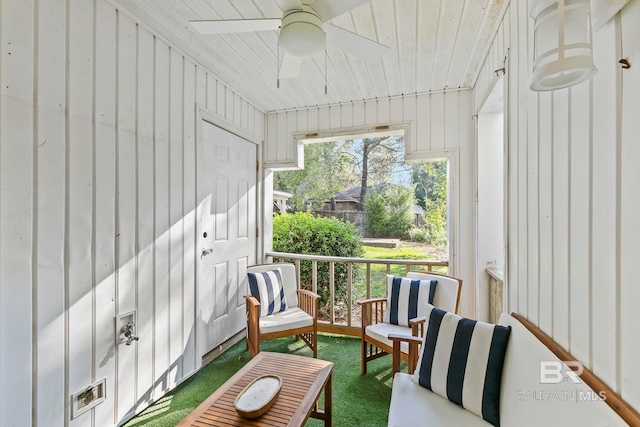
289,279
381,332
267,287
446,293
522,402
462,359
289,319
412,405
407,299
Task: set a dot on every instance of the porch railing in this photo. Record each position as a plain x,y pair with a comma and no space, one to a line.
361,278
496,285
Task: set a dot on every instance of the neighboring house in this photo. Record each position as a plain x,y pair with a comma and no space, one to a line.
349,200
280,200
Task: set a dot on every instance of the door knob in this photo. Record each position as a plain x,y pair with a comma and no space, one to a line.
206,252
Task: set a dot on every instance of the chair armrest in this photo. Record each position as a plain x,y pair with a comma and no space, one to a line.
372,311
417,326
252,301
370,301
308,302
413,342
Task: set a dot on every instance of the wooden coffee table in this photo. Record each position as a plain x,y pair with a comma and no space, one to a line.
303,379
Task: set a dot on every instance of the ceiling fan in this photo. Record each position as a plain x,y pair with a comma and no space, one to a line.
304,31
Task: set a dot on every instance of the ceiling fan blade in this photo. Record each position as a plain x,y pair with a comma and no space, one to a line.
290,67
329,9
362,47
235,26
289,5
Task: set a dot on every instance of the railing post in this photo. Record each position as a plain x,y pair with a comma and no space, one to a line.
349,285
332,293
368,291
314,276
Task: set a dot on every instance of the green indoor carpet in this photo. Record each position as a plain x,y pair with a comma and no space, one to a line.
358,400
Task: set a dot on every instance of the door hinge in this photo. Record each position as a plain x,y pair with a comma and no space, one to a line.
257,232
257,166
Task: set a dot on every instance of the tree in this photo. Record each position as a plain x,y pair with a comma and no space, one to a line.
327,170
379,157
334,166
430,181
389,212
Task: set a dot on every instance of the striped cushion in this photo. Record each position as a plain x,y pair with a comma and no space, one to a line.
267,288
407,299
461,360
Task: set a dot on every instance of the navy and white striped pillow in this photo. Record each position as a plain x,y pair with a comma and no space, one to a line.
267,288
461,359
407,299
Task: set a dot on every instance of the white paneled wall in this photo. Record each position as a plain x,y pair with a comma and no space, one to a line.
438,125
435,122
98,184
573,200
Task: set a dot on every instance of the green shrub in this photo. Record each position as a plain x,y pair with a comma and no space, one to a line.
434,231
389,212
302,233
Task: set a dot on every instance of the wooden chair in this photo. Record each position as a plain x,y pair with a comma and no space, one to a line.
300,318
375,332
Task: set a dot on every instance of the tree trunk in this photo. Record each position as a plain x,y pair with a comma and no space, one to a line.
365,163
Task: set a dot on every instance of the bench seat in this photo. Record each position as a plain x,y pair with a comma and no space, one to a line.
524,400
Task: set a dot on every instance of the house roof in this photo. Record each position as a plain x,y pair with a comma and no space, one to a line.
435,45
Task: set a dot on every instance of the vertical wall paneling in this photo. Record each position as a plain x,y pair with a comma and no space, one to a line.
162,236
533,224
104,283
126,206
545,214
423,127
396,110
97,210
211,92
16,210
579,218
189,214
370,112
410,114
79,173
50,238
145,218
437,109
629,80
302,120
176,257
358,115
560,226
603,103
335,117
572,204
346,115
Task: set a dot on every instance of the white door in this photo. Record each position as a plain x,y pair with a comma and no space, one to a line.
227,234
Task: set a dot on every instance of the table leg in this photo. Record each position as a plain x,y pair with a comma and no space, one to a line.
328,401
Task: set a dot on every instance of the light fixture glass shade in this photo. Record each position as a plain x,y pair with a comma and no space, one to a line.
563,51
302,34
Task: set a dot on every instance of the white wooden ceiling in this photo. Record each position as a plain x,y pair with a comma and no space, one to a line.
435,45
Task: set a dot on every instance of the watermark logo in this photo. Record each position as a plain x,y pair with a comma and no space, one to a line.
554,372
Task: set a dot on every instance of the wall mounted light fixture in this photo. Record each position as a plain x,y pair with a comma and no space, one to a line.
562,48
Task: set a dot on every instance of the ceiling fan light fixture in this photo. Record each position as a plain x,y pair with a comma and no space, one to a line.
302,33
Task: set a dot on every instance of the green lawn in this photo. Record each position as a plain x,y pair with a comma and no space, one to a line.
379,272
